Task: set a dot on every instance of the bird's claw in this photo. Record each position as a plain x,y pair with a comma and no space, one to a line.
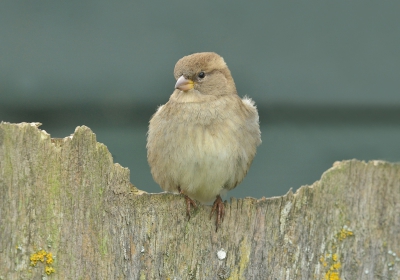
189,202
219,208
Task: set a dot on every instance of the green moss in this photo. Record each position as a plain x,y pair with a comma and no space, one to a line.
142,275
244,260
103,245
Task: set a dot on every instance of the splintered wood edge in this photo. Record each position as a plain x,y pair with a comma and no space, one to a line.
337,165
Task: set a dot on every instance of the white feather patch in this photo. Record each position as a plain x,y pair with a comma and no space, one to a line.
248,101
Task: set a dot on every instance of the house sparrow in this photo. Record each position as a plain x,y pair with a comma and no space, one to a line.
202,141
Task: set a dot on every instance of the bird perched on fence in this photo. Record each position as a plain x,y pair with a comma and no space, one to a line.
202,141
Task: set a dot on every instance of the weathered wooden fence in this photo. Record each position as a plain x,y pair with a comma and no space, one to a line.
68,212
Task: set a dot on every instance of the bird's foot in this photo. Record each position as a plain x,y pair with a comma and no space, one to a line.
219,208
189,202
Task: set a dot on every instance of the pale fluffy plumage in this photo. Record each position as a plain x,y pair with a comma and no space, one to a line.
203,140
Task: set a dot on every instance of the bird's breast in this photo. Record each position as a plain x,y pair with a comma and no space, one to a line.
202,149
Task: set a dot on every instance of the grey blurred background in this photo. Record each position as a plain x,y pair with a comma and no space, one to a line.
325,76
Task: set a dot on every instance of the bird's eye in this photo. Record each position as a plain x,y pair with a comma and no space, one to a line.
201,75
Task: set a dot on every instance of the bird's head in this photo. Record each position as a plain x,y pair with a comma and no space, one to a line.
205,74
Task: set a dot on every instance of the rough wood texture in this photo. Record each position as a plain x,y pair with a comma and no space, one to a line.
68,198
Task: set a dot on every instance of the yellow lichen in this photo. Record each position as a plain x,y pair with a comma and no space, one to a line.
333,272
49,257
344,233
336,266
44,257
49,270
38,256
322,260
332,276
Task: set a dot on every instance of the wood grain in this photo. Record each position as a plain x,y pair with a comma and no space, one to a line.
67,197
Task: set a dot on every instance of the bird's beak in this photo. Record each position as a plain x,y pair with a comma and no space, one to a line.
184,84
